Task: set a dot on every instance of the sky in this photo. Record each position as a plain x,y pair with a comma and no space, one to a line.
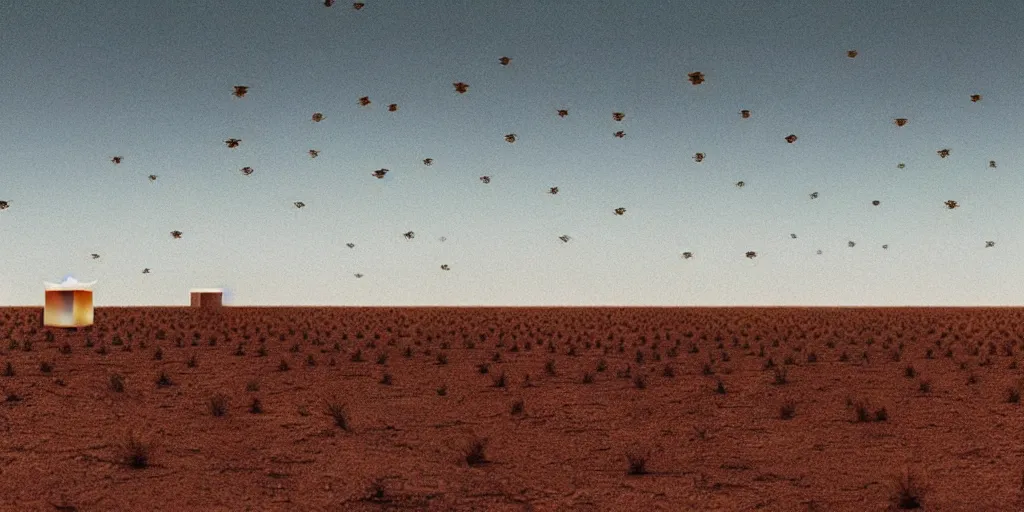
152,82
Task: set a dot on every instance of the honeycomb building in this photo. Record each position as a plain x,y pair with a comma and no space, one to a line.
68,304
207,298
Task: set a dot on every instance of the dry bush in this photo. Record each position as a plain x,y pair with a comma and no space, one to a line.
135,453
117,383
637,462
218,405
787,410
908,492
475,452
339,413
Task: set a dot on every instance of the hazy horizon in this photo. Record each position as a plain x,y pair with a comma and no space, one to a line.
152,82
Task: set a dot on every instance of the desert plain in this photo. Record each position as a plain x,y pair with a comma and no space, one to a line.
513,409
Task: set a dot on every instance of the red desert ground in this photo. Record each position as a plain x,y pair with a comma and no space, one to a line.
560,409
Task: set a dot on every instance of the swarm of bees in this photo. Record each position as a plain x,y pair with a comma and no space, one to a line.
695,78
485,179
990,244
241,90
364,101
698,157
176,234
299,204
313,153
620,134
379,173
851,53
618,116
851,243
504,61
900,121
791,138
814,195
745,114
350,245
152,177
563,112
409,235
553,190
876,202
751,254
5,205
564,238
461,87
317,117
740,184
975,98
510,138
687,255
952,204
428,161
620,211
231,143
393,107
943,153
95,256
117,159
247,170
445,267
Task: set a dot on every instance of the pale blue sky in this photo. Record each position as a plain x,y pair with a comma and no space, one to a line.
152,82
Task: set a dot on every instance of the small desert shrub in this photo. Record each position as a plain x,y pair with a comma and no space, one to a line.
283,366
780,377
256,407
117,383
442,358
787,410
158,355
669,371
408,352
65,348
262,351
483,368
45,367
339,414
382,358
720,389
163,380
386,379
972,379
218,405
135,453
357,356
252,386
601,365
310,360
442,391
240,350
881,414
909,372
636,462
496,357
789,360
812,357
925,386
640,381
588,377
517,407
908,493
192,361
707,369
844,357
475,452
1013,395
501,380
549,367
296,348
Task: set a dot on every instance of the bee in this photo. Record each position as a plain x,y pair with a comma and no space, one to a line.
176,234
553,190
818,251
885,246
900,121
991,164
901,165
152,177
751,254
351,245
317,117
233,143
241,90
687,255
393,107
95,256
357,6
5,205
328,3
620,134
145,271
364,101
695,78
990,244
504,61
565,238
299,204
442,239
117,159
851,243
791,138
445,267
313,153
814,195
461,87
975,98
740,184
485,179
876,202
952,204
620,211
247,170
510,138
379,173
699,157
618,116
851,53
943,153
563,112
428,161
358,275
409,235
745,114
792,235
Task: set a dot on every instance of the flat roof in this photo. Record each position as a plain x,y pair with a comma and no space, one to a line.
206,290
